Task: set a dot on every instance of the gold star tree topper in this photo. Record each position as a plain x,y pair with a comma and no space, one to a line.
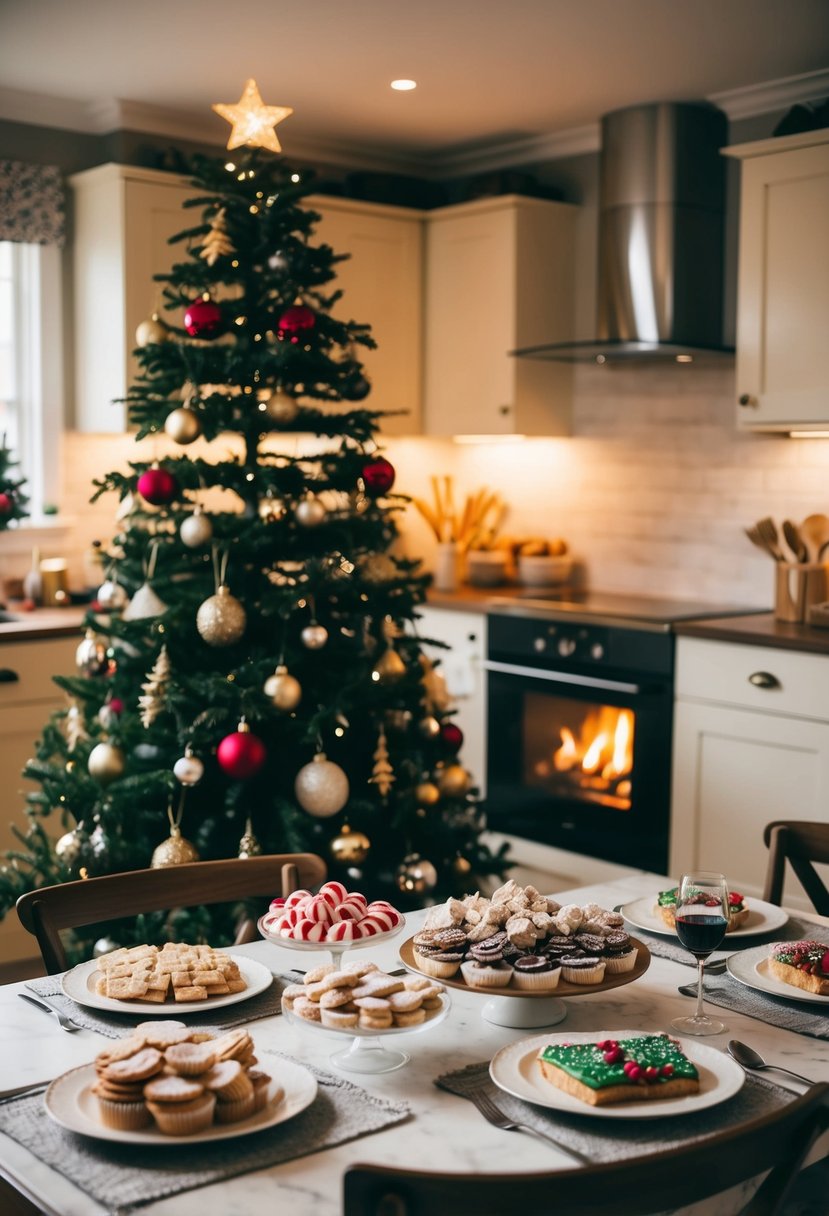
252,120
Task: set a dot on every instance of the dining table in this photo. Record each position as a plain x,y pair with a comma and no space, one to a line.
398,1118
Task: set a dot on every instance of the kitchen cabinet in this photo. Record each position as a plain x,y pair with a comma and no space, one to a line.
499,276
783,283
25,705
123,219
463,670
382,285
751,744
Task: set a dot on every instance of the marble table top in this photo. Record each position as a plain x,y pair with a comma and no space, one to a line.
445,1132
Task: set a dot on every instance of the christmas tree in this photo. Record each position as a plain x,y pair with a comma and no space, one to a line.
13,501
251,678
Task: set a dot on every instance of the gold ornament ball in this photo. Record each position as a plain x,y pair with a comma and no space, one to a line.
321,787
314,636
378,568
283,689
174,851
151,331
106,763
281,407
310,512
221,619
462,865
429,727
416,875
350,847
427,793
454,780
182,425
389,667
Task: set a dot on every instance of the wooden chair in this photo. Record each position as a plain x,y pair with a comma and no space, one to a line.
802,843
72,904
779,1142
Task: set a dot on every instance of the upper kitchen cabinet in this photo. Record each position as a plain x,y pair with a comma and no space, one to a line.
499,276
123,219
783,283
382,285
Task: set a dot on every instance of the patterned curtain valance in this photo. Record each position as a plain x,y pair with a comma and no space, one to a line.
32,206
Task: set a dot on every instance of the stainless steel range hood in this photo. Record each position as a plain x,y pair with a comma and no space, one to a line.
661,230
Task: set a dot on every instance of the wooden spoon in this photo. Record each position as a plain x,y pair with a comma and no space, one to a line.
815,533
795,541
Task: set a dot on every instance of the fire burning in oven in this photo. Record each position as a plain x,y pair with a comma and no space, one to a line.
594,760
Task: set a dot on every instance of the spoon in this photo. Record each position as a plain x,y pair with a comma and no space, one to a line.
749,1058
795,541
815,532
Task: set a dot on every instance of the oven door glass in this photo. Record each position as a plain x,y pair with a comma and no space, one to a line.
582,768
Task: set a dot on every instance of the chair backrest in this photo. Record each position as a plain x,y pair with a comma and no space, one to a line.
802,844
71,904
778,1142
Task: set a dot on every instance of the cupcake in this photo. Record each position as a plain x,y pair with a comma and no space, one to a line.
582,969
486,975
260,1081
228,1081
535,973
190,1059
619,953
238,1109
442,964
124,1116
184,1118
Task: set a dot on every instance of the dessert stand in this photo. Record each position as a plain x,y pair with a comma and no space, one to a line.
525,1010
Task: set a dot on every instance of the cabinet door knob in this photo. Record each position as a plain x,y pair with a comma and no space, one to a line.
505,409
7,676
763,679
747,399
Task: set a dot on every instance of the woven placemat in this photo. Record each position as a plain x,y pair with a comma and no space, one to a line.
264,1005
728,993
662,946
602,1140
123,1177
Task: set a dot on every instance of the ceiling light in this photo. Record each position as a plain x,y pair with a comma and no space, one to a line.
404,86
808,434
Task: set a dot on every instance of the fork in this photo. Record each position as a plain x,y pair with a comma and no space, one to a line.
65,1022
494,1115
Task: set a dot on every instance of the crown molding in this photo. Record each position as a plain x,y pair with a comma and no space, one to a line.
104,117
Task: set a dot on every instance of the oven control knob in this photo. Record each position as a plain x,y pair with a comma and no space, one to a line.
539,644
597,651
566,647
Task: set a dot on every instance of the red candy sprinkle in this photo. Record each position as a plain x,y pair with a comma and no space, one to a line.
651,1073
667,1070
613,1055
635,1072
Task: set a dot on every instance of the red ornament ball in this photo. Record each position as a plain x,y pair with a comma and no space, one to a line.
295,321
203,319
6,504
451,736
157,486
241,755
378,476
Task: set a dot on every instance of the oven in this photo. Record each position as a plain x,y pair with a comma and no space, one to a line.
579,725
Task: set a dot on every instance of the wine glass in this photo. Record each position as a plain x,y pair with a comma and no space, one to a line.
701,922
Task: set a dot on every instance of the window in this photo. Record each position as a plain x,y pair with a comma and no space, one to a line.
31,371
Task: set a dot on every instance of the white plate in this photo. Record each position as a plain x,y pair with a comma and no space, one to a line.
750,967
70,1102
291,943
762,918
79,984
514,1069
359,1032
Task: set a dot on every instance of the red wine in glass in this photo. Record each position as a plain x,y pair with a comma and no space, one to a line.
701,933
701,922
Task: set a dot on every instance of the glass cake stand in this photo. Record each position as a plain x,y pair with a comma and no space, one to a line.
526,1010
336,950
367,1052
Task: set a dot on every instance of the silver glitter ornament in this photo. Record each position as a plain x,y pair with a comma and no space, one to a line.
221,619
314,636
196,530
321,787
111,596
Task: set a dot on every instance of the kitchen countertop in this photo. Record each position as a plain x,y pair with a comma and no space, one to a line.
42,623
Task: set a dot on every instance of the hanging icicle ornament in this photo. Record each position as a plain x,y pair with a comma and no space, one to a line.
157,486
182,425
241,754
151,331
382,775
349,848
146,603
217,244
283,689
321,787
76,731
196,530
249,846
281,407
152,700
175,850
221,619
310,512
106,762
416,875
188,769
91,655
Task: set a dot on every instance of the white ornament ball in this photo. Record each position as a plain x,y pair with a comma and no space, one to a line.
310,512
221,619
106,763
111,596
182,425
196,530
151,331
321,787
283,689
314,636
281,407
189,770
